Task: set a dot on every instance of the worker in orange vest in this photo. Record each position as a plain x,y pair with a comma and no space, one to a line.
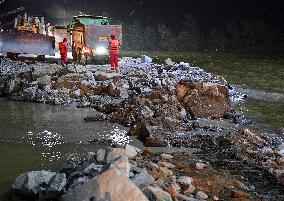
113,46
63,50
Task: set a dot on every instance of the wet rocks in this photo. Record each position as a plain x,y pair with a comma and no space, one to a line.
36,183
110,185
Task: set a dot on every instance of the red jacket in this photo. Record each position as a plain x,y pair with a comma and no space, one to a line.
63,47
113,46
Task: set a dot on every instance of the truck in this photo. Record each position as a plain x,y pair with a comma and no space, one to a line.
29,36
90,37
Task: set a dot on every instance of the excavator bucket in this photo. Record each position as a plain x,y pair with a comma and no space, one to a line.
26,43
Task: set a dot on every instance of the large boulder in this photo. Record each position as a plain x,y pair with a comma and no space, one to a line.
34,183
204,99
111,185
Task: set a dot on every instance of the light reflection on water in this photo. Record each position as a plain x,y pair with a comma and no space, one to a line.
47,140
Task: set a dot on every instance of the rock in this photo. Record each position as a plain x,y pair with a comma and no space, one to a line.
103,76
165,172
63,71
146,59
246,138
44,80
167,165
134,168
13,86
31,183
87,89
181,197
201,166
115,153
147,137
267,151
42,70
147,112
56,186
110,185
123,164
166,156
151,165
239,194
143,179
180,165
239,185
201,195
64,84
93,168
112,91
172,190
169,63
100,155
207,100
130,151
181,91
147,152
156,194
184,180
189,190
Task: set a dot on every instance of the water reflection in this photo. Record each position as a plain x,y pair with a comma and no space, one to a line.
47,140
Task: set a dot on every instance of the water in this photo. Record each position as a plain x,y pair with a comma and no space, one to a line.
38,136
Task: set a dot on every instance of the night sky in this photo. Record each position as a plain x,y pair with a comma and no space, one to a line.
208,13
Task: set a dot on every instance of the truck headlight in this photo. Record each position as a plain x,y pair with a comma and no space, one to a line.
101,51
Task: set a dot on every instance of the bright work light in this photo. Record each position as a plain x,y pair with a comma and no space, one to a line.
101,51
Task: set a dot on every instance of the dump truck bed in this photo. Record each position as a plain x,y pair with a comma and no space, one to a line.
26,43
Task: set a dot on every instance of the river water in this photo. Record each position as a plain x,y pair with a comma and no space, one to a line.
38,136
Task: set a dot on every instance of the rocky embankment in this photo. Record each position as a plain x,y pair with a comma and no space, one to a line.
162,105
158,102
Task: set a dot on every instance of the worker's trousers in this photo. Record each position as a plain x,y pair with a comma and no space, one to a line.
64,57
114,61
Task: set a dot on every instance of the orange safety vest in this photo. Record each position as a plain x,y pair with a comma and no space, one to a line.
114,45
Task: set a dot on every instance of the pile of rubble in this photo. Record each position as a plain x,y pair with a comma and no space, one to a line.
128,174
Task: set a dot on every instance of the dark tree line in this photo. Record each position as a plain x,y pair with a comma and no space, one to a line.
246,35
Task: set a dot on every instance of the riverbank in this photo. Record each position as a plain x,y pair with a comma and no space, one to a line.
168,105
258,74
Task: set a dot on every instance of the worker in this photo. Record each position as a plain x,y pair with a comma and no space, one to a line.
63,51
114,44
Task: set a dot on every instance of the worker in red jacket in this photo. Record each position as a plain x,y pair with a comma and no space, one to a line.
63,51
114,44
